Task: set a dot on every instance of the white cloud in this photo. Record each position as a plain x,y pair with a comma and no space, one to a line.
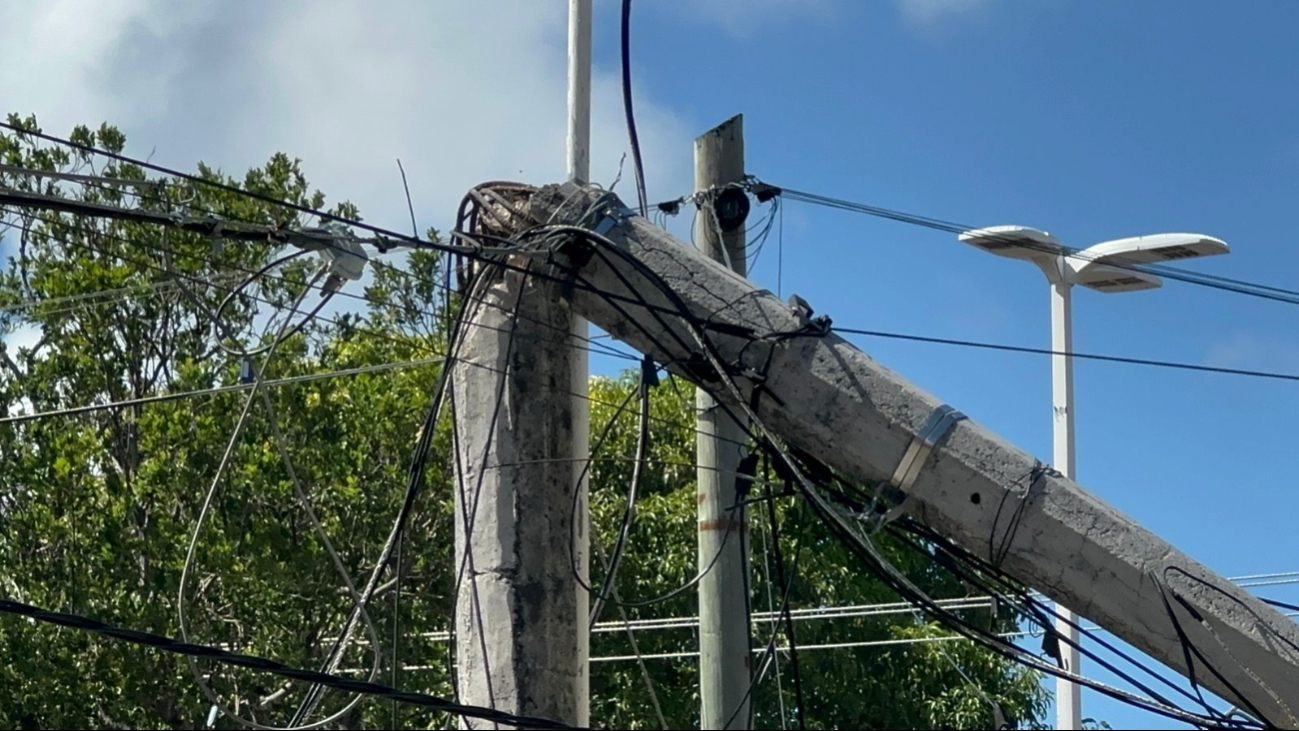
1253,351
462,92
927,12
743,17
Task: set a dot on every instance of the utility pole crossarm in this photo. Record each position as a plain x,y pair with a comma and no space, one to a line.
829,399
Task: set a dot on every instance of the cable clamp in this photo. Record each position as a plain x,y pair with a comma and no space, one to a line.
341,251
809,323
613,216
218,243
936,427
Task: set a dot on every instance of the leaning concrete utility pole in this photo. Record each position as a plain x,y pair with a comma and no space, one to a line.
822,395
724,643
579,171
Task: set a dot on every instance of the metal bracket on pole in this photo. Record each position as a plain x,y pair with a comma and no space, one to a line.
613,216
913,459
939,423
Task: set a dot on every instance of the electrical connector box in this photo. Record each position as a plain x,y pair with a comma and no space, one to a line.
345,257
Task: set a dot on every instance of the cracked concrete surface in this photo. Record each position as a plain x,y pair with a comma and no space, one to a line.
828,398
513,506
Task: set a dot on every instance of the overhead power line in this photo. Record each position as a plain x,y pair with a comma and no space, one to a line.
162,397
216,184
1227,284
901,642
861,546
1074,354
858,611
588,343
360,329
252,662
260,233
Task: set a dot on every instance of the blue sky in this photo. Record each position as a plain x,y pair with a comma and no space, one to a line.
1091,120
1094,120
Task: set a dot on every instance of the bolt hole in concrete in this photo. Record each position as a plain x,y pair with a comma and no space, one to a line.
976,498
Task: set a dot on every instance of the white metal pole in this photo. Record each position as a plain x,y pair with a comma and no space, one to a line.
579,90
579,170
1068,695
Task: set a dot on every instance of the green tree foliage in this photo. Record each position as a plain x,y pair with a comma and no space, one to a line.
96,508
910,685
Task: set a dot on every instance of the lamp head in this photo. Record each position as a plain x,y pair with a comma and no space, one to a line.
1016,242
1154,249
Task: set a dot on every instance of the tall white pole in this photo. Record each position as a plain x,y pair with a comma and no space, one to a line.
579,170
1068,695
579,90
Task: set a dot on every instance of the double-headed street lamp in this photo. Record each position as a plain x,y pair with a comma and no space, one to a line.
1105,267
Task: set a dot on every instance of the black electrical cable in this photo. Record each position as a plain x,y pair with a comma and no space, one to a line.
1281,604
973,632
1189,649
731,384
223,288
823,508
632,136
950,556
1239,286
264,273
997,644
883,334
396,592
382,562
415,479
470,509
666,596
699,331
257,232
585,233
410,309
550,230
168,644
199,180
576,502
261,272
629,513
357,328
788,618
1081,356
1252,289
756,679
990,579
1235,600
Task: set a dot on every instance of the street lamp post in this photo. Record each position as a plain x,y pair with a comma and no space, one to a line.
1105,267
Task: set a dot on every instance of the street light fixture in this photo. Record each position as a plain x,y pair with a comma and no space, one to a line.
1105,267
